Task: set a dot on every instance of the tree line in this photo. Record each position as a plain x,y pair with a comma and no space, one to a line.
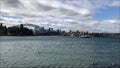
24,31
15,31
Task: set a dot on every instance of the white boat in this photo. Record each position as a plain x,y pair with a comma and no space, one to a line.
86,36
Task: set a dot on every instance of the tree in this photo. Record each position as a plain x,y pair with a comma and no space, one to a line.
3,29
21,26
1,24
13,31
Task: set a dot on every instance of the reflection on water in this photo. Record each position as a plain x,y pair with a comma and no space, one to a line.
59,52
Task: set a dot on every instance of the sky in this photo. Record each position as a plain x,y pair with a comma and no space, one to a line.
82,15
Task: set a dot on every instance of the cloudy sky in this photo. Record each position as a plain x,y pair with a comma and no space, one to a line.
83,15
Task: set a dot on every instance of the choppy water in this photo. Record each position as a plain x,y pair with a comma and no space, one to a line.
59,52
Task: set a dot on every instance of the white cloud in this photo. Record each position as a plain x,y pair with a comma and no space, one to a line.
109,26
59,14
115,3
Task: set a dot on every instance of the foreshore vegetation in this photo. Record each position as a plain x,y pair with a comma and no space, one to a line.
41,31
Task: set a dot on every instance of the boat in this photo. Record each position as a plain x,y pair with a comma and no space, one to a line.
86,36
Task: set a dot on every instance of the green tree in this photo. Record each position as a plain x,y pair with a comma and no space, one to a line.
14,31
3,29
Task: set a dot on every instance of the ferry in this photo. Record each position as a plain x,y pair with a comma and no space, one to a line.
86,36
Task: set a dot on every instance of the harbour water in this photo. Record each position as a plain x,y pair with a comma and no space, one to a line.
59,52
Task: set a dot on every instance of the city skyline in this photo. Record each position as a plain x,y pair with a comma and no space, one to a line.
83,15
